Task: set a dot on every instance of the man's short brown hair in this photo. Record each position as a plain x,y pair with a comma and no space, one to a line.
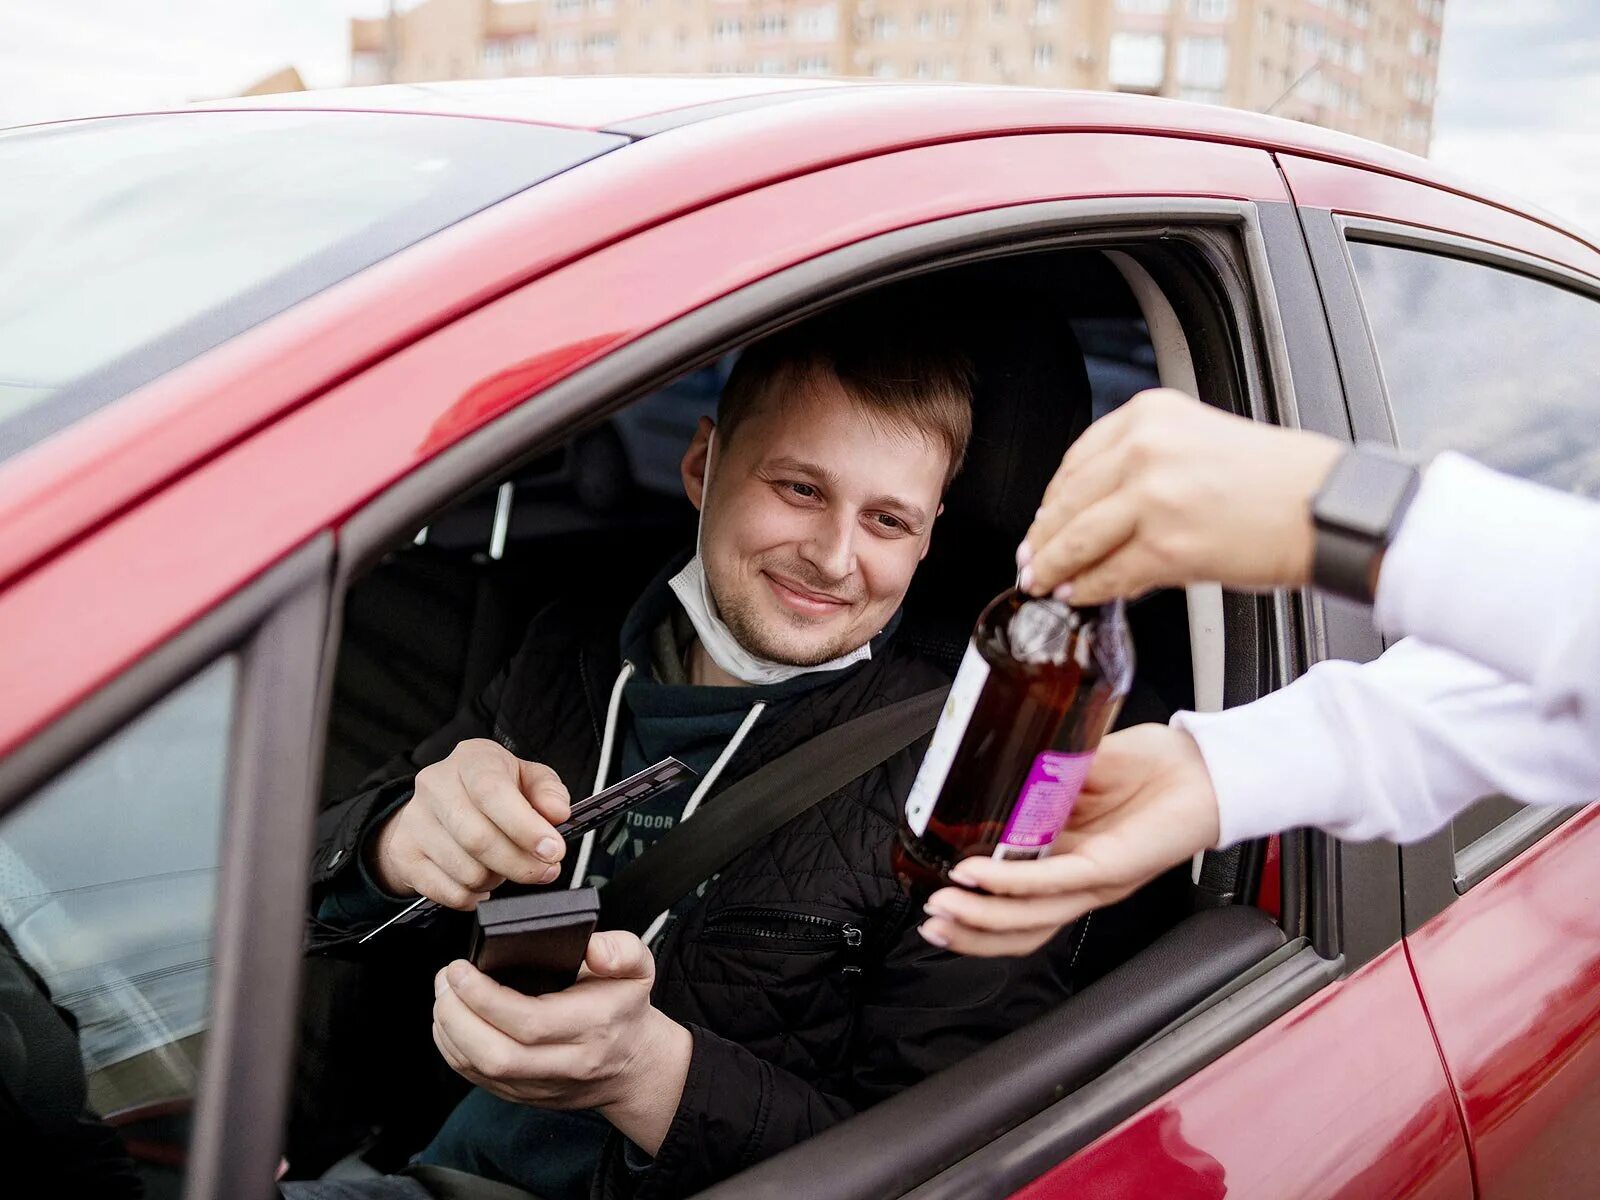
896,367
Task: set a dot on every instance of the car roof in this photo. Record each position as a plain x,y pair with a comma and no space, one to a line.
641,105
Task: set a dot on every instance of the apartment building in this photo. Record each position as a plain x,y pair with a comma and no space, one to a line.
1367,67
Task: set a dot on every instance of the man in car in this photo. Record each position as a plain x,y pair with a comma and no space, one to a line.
794,990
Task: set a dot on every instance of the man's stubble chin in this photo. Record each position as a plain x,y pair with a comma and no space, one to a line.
757,634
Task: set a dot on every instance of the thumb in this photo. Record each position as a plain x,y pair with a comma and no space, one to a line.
619,955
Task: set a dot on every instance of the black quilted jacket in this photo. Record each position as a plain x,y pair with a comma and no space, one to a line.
800,973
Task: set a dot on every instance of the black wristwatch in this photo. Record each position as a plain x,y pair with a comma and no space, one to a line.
1356,514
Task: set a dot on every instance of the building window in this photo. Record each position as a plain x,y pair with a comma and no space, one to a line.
727,31
884,27
770,66
949,22
1046,11
600,45
770,25
1419,88
1201,95
816,64
566,49
1044,56
924,24
883,69
997,9
1144,6
1211,10
1138,60
947,69
1203,62
819,23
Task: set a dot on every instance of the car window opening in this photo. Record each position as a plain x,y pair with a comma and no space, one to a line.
1058,338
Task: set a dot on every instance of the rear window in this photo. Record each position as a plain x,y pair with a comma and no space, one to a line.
129,245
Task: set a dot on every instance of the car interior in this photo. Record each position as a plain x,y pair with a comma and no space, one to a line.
1058,337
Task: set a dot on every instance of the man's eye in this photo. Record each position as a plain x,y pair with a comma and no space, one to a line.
804,490
890,524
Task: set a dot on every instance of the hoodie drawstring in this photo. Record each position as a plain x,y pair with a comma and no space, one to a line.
613,708
707,782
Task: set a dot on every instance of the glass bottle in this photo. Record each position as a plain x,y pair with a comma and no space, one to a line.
1040,683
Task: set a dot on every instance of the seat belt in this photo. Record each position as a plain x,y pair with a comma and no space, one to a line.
763,801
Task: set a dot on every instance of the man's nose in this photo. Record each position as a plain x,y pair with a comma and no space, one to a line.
832,548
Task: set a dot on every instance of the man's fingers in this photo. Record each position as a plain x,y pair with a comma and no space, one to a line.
619,955
544,790
497,796
461,862
1071,494
1096,533
482,1043
427,879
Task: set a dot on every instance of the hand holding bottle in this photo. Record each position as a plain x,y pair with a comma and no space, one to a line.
1167,491
1146,806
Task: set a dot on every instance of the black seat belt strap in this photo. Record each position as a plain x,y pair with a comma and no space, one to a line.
763,801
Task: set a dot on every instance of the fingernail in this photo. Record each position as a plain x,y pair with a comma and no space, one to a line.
457,974
1038,512
962,874
1024,554
548,849
1063,592
550,874
440,984
933,936
1025,581
933,910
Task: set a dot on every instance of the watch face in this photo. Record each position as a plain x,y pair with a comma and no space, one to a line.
1363,493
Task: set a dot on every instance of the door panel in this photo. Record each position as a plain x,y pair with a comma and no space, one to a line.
1511,976
1343,1097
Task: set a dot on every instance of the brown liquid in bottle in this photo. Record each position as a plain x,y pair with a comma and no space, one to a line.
1042,682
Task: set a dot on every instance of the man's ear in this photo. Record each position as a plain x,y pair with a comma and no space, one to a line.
694,462
927,542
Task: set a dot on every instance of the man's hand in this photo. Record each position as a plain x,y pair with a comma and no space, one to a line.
1167,491
476,819
1147,805
599,1044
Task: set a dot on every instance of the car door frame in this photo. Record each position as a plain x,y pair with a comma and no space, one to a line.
1434,872
1347,928
276,626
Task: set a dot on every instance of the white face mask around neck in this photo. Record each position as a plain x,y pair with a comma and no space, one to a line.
693,590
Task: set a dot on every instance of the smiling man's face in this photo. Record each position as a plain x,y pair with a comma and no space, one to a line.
817,516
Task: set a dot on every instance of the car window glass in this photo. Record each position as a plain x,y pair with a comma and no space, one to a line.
107,888
130,244
1446,330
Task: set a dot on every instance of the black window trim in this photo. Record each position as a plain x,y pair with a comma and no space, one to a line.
1346,933
1433,872
275,624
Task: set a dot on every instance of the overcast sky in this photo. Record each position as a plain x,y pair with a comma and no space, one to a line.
1518,106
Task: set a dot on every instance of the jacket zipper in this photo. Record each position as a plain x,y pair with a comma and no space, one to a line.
823,929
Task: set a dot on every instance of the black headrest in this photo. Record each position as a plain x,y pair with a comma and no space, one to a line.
1031,400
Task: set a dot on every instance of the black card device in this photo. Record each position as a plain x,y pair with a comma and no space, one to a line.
535,943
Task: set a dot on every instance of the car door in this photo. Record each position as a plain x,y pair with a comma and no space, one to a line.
1481,333
1344,1093
457,409
148,838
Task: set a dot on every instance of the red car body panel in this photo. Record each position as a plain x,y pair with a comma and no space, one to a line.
366,433
1366,193
126,528
1510,974
1343,1097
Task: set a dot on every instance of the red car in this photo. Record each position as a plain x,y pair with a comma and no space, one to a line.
290,391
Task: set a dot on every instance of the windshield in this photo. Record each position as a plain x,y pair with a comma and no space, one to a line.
129,245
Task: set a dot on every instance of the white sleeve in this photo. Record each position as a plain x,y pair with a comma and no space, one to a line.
1392,748
1504,572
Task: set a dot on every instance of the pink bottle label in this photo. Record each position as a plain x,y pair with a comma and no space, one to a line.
1044,803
